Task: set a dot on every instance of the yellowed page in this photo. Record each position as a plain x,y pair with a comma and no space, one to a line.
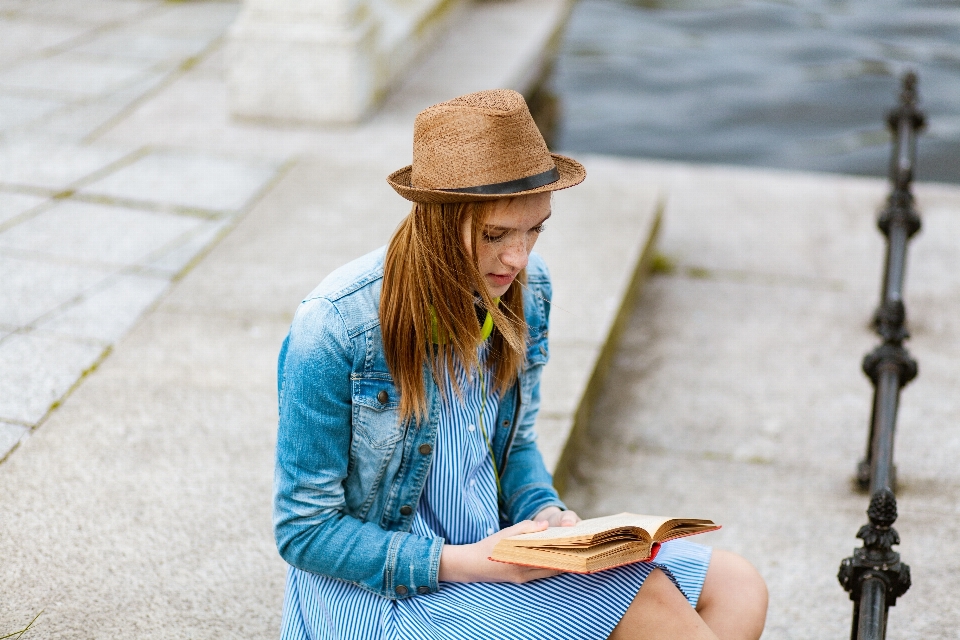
589,528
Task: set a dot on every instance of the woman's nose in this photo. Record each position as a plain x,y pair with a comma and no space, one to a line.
515,254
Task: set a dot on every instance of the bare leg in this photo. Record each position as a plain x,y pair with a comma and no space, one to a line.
661,612
733,602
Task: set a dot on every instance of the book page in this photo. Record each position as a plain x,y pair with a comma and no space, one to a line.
586,529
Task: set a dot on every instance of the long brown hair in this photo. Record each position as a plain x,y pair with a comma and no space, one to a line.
427,306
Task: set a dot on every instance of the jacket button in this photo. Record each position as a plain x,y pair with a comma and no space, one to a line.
423,590
401,590
425,449
506,423
382,397
406,510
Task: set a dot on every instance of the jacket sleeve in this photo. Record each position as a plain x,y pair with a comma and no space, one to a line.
526,483
312,530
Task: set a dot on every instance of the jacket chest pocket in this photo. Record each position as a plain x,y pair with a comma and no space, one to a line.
376,415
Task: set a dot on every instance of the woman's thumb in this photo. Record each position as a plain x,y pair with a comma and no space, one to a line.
525,526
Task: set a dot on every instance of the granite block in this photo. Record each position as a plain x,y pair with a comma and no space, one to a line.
97,233
52,166
107,313
32,288
192,180
36,371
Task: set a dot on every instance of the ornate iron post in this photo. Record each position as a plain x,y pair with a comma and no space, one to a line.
874,576
890,366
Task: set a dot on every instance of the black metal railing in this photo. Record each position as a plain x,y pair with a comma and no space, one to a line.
875,577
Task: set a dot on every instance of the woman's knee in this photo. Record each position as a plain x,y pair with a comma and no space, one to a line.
660,610
732,582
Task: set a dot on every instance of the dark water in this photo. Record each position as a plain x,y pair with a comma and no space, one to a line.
790,84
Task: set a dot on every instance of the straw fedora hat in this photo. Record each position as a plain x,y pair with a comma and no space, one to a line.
481,146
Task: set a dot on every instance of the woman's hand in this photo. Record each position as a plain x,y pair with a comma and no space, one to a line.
470,563
556,517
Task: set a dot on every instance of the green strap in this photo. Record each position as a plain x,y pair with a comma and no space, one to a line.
486,329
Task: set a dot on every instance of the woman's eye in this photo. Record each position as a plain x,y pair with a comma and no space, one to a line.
494,237
539,228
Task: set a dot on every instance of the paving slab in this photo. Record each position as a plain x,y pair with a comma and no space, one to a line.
87,12
79,119
106,313
191,19
16,111
22,38
13,205
32,288
189,247
198,181
96,234
36,371
10,436
131,42
53,166
71,76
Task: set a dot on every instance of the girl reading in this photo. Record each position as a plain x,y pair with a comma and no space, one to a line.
408,390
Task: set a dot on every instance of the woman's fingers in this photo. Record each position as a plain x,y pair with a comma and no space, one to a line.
525,526
557,517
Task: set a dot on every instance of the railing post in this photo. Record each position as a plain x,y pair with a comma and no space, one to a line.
899,221
874,576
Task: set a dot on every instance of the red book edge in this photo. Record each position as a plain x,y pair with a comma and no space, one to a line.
654,550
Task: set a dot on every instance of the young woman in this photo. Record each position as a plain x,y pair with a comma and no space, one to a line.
408,390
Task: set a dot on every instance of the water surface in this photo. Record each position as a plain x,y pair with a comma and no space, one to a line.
790,84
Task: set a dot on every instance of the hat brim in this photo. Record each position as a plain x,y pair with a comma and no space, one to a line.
571,173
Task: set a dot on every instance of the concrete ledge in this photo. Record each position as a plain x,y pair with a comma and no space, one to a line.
598,246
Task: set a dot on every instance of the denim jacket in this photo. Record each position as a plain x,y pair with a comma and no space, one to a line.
349,474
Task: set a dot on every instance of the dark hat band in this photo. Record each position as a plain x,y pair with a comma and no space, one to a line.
512,186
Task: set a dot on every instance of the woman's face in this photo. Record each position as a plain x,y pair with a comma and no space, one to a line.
507,238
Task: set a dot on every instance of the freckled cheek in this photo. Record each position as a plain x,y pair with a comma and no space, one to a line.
487,258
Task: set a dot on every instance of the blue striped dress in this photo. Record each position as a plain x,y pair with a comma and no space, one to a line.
459,504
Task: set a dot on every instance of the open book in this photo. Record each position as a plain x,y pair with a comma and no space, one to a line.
598,543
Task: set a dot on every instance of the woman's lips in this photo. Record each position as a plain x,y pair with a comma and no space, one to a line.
501,280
